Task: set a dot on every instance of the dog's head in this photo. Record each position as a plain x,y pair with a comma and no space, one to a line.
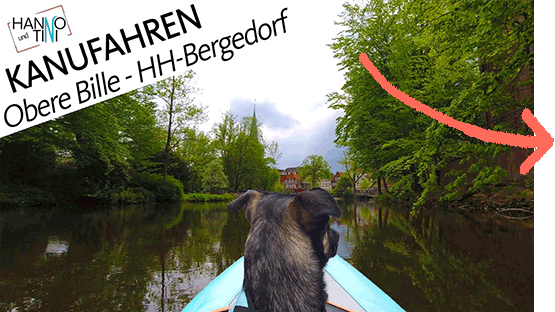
305,215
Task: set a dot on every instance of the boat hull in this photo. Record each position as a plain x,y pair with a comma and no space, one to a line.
347,288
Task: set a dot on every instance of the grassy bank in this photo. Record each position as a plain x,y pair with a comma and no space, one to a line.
29,196
203,198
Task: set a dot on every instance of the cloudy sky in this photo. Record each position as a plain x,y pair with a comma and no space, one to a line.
289,75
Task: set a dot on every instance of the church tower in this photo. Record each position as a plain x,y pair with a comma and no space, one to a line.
254,124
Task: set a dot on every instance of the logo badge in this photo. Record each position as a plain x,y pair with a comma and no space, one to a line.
45,27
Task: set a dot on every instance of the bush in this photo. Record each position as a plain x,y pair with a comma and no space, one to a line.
347,193
343,188
160,190
24,195
135,195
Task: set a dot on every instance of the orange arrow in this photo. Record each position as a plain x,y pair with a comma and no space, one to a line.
542,141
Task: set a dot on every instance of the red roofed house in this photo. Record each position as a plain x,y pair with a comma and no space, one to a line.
335,178
291,181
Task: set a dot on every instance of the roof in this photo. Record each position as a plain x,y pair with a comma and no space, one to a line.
291,169
336,176
292,175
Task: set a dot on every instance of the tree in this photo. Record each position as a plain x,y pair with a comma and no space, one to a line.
177,112
343,188
273,152
197,153
352,169
214,179
88,153
469,60
242,153
314,168
139,128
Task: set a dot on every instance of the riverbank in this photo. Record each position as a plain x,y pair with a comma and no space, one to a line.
512,200
502,197
13,196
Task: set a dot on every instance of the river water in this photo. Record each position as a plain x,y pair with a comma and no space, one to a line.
158,257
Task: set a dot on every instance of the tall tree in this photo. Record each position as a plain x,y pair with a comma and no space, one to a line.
178,111
240,146
314,168
273,152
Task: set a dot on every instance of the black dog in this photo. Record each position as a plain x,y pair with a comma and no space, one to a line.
289,243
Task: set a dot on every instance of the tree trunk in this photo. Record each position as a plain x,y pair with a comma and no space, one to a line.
169,136
379,185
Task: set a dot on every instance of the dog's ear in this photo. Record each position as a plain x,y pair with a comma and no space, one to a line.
249,199
319,202
309,207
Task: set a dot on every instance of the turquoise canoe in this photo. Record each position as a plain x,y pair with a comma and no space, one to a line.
347,288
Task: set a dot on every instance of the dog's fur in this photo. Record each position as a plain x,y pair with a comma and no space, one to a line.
289,243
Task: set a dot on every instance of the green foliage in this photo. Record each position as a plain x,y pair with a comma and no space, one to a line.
88,153
178,113
440,53
23,195
196,152
139,132
162,190
344,187
353,170
177,167
278,187
365,184
314,168
214,179
119,149
243,154
135,195
203,198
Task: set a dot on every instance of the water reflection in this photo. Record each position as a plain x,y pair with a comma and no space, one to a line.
56,246
444,261
157,258
137,258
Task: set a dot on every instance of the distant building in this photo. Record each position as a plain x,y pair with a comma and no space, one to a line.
291,181
335,178
290,170
325,184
